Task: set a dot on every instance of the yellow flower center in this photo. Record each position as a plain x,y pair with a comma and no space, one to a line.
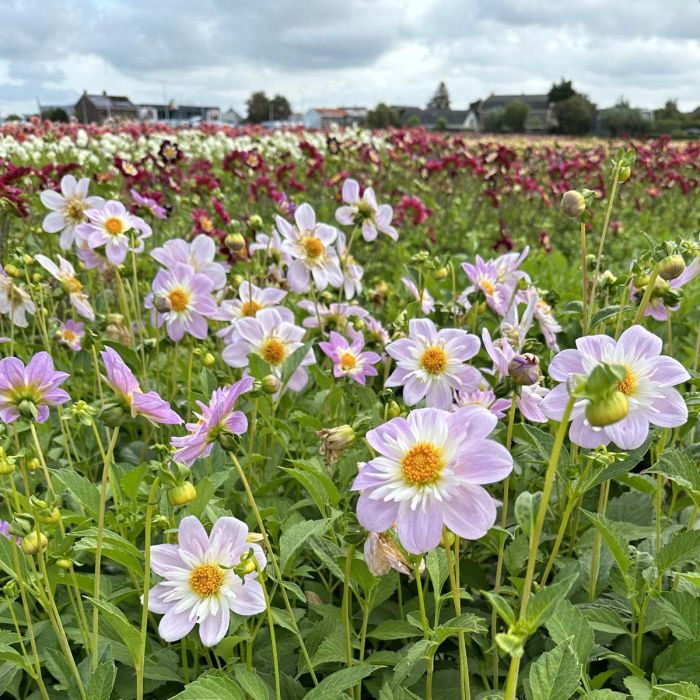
422,464
486,286
313,247
75,210
68,336
629,383
206,223
206,580
434,360
347,361
250,308
73,285
179,299
169,152
273,351
114,226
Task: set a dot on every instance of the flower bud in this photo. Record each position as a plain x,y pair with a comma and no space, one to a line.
7,464
34,542
442,273
604,379
671,267
65,564
112,414
48,516
161,303
182,494
573,204
448,538
661,287
393,410
525,369
208,359
607,410
245,566
33,464
624,173
28,409
270,384
334,441
255,222
235,242
12,270
228,440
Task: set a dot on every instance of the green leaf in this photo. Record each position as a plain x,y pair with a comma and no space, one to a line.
674,691
436,564
336,683
125,631
544,602
86,493
516,554
466,622
614,539
210,687
102,681
639,688
250,682
526,506
604,695
603,315
567,620
319,485
292,363
543,443
502,607
295,537
114,547
554,675
394,629
683,548
677,466
331,649
612,471
679,662
410,664
678,610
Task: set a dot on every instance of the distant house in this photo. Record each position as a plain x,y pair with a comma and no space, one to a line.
325,117
98,108
539,119
231,117
178,114
450,119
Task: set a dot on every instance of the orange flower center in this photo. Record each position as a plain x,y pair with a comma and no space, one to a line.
68,336
434,360
629,383
250,308
73,285
347,361
206,580
313,247
206,223
179,299
272,351
75,210
114,226
486,286
422,464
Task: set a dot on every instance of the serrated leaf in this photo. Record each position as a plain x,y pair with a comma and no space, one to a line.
526,506
613,538
125,631
394,629
293,362
114,547
554,675
679,662
544,602
675,691
683,548
102,681
677,466
250,682
502,607
331,649
209,687
86,493
416,653
678,610
295,537
568,622
466,622
604,314
336,683
436,564
612,471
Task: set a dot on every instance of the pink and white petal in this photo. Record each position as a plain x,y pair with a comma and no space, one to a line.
554,404
192,536
484,462
53,222
419,530
565,363
214,626
637,341
164,558
298,277
596,346
391,439
630,432
52,200
423,328
473,422
414,390
249,599
305,217
376,515
471,513
439,395
351,191
228,533
668,371
583,435
670,410
156,599
174,626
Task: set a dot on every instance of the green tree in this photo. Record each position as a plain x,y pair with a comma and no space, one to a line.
13,118
441,98
57,114
574,115
258,107
281,109
441,123
493,120
563,90
382,116
623,120
515,116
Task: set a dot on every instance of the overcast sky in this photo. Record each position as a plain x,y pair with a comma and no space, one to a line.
346,52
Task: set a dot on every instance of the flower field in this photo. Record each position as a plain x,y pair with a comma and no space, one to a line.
392,414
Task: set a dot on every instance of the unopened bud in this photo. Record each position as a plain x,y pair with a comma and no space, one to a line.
12,270
607,410
393,410
182,494
235,242
33,464
208,359
573,204
228,440
334,441
442,273
161,303
525,369
270,384
625,173
48,516
112,414
34,542
255,222
28,409
65,564
671,267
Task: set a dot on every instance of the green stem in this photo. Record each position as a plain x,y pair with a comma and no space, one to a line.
647,295
426,632
597,542
345,612
141,663
275,565
584,280
452,564
271,624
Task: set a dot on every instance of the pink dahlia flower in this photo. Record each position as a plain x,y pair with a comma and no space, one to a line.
200,584
200,254
150,405
430,363
64,272
365,212
71,334
648,386
349,360
429,474
29,390
215,418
